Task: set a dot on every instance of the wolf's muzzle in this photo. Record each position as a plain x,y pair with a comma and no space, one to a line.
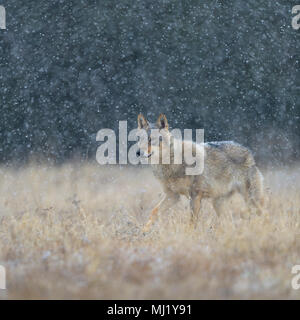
139,154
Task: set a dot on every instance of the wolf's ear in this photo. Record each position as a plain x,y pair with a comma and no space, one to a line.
162,122
142,122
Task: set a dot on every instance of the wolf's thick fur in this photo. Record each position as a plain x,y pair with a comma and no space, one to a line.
228,168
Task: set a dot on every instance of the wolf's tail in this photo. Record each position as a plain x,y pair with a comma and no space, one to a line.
249,160
256,186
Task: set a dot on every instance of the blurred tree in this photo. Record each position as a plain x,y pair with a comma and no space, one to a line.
69,68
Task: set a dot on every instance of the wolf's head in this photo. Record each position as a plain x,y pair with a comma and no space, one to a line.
158,136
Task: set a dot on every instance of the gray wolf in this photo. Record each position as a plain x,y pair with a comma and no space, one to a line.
228,168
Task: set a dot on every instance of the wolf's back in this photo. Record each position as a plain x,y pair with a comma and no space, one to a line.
235,152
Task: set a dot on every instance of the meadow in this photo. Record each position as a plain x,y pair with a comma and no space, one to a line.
75,232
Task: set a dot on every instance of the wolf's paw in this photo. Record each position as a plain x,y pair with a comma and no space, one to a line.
146,229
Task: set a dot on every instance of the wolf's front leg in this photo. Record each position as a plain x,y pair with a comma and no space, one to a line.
168,201
195,207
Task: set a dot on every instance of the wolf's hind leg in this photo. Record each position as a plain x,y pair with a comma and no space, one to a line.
218,204
169,200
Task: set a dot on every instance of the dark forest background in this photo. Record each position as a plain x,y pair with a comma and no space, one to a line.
70,68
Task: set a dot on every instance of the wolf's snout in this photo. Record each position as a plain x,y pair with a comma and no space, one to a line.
142,154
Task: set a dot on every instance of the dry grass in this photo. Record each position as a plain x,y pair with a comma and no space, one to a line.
75,232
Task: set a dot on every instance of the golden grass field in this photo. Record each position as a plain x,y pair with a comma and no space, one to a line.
74,232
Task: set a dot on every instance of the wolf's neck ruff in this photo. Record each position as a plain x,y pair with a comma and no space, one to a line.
176,168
